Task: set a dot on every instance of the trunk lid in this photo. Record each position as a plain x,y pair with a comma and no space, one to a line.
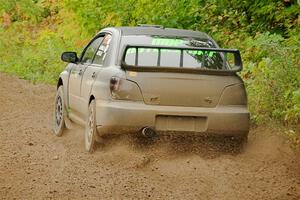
181,89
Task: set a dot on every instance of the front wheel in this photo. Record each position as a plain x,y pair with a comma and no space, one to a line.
90,128
59,112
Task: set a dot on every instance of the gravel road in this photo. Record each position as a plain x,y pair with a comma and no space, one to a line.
35,164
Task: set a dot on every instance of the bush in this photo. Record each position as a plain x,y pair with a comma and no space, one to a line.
272,75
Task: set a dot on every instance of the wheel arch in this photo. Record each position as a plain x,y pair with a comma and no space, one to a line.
92,97
59,83
63,81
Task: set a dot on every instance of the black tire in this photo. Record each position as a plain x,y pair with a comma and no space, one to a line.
90,128
59,112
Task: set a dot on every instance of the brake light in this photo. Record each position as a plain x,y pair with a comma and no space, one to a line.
123,89
234,95
114,83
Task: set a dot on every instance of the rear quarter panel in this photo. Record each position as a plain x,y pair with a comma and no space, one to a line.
101,87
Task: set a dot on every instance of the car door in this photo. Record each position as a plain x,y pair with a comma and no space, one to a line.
92,71
75,101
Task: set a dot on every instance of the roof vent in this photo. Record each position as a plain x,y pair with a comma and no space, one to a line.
150,25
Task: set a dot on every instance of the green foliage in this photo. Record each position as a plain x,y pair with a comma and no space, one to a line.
33,33
33,52
272,75
36,60
20,10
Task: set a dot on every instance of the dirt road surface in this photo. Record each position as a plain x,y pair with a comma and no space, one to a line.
35,164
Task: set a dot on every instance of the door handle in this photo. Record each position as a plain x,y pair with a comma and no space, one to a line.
94,75
80,72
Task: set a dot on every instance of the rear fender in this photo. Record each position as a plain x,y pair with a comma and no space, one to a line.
64,80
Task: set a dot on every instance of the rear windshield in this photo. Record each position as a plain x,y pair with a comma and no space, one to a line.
150,57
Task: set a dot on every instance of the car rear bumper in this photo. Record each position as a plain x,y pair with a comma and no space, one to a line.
128,117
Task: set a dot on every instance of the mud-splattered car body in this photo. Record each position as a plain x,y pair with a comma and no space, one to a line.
164,80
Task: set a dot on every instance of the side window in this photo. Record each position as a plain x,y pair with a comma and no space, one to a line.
102,50
91,50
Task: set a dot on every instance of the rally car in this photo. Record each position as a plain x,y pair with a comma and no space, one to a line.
152,80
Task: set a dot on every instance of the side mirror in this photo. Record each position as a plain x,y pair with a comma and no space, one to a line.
70,57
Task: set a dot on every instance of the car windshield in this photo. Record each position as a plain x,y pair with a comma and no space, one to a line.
154,57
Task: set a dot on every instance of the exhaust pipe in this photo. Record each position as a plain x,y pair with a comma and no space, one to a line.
148,132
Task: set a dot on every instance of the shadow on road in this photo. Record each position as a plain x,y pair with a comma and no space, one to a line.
208,147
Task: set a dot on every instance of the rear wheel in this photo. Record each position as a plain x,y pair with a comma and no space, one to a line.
90,128
59,112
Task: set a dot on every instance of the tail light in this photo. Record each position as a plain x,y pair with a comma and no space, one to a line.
123,89
114,83
234,95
